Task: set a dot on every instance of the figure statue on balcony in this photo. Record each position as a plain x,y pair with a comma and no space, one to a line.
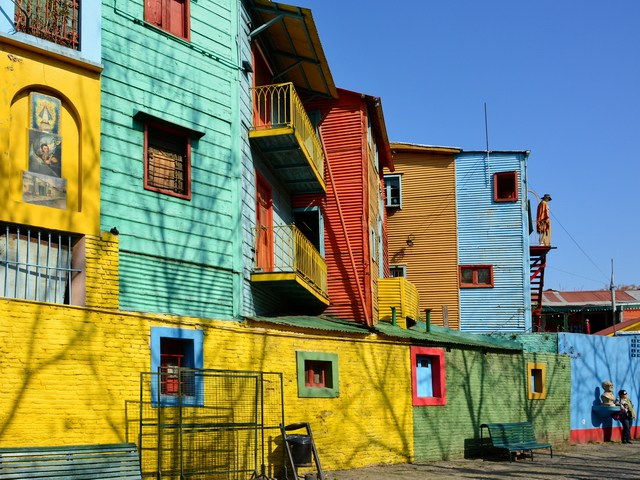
543,222
607,397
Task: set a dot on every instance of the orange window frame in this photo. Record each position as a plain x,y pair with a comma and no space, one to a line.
475,269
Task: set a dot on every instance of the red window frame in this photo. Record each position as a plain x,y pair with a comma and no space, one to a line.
317,373
439,376
179,137
505,186
475,283
172,16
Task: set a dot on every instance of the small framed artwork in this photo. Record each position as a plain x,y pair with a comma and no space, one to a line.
44,113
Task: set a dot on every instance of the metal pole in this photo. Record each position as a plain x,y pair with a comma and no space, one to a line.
393,315
613,300
427,314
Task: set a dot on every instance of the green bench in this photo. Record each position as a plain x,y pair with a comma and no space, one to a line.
514,437
81,462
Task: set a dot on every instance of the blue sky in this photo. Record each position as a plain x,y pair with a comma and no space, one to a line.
560,78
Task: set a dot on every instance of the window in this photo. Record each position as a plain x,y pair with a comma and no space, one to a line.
309,221
537,381
167,161
428,376
169,15
40,265
505,186
175,353
317,374
54,20
393,187
398,271
476,276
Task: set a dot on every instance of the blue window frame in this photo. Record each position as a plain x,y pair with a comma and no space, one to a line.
172,348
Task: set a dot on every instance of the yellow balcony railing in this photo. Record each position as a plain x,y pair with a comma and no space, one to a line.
278,106
400,293
285,249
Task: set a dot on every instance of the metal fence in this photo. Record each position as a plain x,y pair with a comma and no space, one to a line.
220,424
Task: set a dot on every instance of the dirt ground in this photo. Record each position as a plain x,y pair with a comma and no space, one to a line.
600,460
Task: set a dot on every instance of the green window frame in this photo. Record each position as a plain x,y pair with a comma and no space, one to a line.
330,386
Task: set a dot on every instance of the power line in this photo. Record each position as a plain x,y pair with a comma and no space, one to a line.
581,249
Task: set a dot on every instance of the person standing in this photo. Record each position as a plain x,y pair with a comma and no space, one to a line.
627,414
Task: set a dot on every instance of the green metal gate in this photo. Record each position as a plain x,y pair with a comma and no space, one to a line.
204,424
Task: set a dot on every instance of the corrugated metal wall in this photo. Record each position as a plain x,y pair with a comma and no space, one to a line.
343,134
428,220
492,233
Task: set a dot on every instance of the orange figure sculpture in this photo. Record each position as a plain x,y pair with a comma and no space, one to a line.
543,223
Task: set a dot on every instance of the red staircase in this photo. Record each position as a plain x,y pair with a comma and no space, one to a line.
538,260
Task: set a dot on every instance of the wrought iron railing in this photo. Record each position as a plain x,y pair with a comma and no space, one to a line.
278,106
54,20
288,250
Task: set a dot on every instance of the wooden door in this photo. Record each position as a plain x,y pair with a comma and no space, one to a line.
264,219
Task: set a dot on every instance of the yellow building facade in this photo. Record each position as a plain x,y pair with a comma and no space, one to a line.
49,140
72,374
422,227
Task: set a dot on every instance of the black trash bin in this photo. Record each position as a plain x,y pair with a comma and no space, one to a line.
300,446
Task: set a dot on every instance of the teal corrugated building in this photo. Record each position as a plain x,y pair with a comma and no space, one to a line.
171,150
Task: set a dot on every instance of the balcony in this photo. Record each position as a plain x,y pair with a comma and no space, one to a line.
286,137
290,266
400,293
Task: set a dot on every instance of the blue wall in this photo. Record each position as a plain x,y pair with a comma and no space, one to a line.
595,359
493,233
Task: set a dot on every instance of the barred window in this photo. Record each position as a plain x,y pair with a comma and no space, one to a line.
167,161
54,20
36,264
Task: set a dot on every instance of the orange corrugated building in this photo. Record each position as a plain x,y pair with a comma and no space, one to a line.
421,210
355,140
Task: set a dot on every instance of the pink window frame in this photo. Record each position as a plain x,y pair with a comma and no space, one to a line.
439,376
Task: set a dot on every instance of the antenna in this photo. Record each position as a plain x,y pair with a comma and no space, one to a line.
486,127
486,134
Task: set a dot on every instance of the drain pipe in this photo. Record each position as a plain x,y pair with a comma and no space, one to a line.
427,314
393,315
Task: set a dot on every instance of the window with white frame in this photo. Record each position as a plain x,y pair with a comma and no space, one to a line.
38,264
393,190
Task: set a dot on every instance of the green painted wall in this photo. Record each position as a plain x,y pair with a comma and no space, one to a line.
172,246
491,388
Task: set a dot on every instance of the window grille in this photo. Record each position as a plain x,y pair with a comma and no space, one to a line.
36,264
54,20
167,157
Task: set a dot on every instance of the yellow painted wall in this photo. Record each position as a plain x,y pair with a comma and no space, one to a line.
71,375
25,71
423,235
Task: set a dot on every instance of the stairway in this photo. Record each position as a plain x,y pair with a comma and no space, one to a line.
538,262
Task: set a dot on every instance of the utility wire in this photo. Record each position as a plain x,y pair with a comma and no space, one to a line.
581,249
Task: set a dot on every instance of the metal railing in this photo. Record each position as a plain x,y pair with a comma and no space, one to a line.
290,251
36,264
278,106
53,20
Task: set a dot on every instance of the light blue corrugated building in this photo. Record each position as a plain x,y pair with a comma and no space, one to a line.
493,241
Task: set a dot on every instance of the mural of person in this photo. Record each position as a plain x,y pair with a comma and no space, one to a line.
45,154
543,222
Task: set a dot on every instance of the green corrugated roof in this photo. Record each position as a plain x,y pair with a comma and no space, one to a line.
437,335
445,336
321,322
